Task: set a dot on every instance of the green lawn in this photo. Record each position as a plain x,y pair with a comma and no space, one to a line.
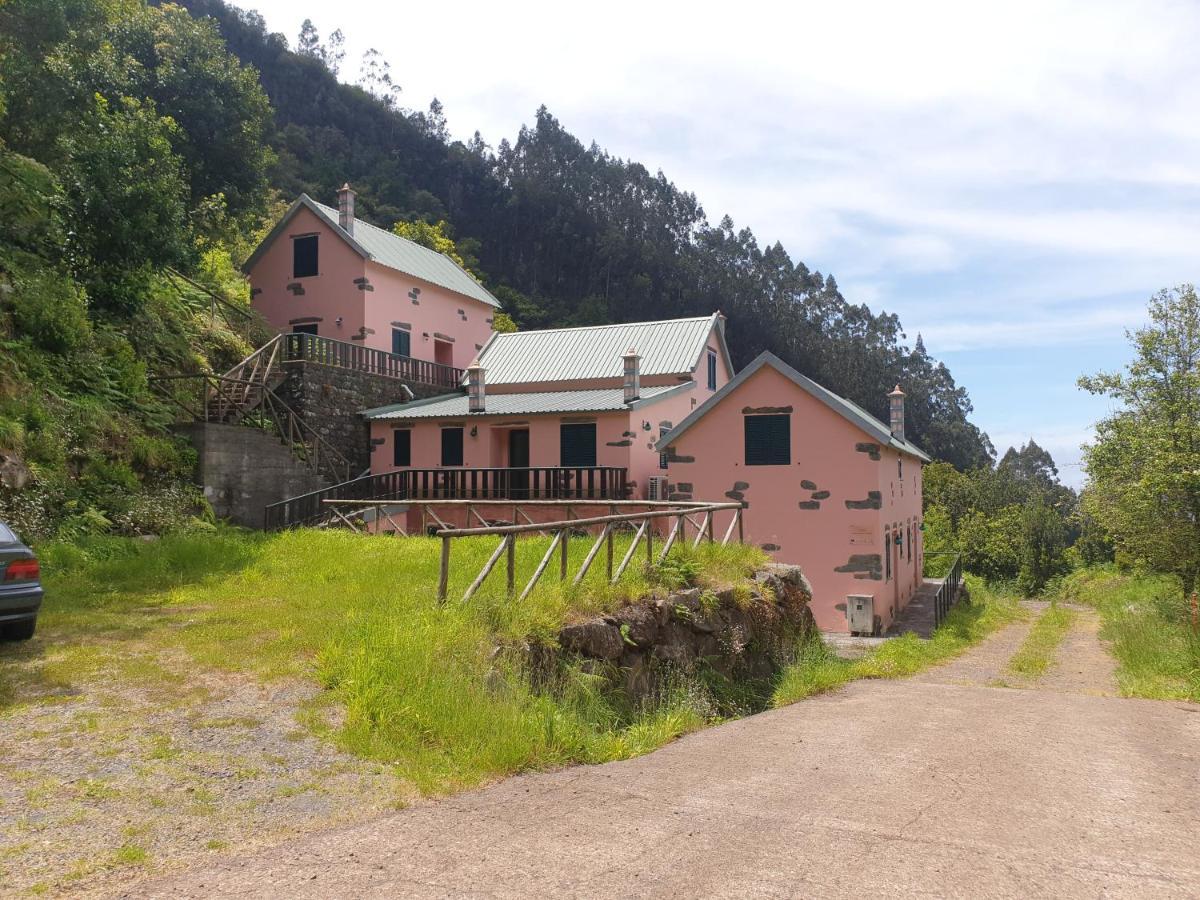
818,669
1147,619
434,690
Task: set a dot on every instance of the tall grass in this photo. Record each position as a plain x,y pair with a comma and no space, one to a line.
1147,619
435,690
817,668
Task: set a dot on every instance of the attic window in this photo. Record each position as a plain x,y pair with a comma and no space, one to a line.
712,371
304,256
768,440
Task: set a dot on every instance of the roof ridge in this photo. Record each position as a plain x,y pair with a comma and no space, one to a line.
606,325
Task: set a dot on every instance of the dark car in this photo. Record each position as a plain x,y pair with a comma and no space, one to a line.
20,588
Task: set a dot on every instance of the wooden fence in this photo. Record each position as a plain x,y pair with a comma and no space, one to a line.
681,514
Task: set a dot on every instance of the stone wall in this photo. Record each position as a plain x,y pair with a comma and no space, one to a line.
242,469
329,400
738,637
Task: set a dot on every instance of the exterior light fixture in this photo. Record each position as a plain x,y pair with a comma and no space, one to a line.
474,431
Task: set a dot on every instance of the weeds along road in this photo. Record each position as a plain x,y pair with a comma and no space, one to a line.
947,784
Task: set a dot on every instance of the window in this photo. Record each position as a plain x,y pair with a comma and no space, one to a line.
452,446
402,447
307,328
900,468
909,539
577,444
712,371
768,440
304,256
401,342
887,556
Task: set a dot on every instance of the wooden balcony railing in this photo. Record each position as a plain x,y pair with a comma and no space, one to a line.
328,352
535,483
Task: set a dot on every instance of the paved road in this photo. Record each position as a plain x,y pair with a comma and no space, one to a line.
923,787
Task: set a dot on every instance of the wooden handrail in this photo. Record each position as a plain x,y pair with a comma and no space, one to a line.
312,348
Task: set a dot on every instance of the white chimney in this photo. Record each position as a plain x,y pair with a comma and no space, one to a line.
346,208
896,411
633,375
475,388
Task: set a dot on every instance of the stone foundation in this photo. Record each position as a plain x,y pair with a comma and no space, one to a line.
739,637
329,400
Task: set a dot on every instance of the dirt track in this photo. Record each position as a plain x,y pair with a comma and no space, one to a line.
940,786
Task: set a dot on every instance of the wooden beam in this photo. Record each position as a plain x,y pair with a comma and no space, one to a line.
487,567
537,573
629,553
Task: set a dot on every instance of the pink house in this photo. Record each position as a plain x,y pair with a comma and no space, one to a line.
322,272
826,485
570,412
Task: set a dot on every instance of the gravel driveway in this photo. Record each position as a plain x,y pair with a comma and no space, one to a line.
942,785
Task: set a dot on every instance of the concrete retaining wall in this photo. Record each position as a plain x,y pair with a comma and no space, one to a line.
243,469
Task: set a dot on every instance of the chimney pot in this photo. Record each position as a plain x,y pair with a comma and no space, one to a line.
346,208
896,411
633,375
475,388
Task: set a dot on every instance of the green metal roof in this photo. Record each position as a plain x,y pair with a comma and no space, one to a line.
387,249
670,347
453,406
840,405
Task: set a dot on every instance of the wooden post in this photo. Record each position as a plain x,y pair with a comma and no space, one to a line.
562,547
649,542
444,574
741,529
512,564
610,553
1195,611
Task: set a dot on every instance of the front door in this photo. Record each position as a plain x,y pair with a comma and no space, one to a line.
518,459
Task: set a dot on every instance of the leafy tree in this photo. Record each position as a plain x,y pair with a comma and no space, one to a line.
1144,465
309,42
1044,539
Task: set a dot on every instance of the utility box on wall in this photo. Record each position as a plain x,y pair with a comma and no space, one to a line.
860,613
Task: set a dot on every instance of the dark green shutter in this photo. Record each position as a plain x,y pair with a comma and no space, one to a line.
401,342
452,446
304,256
768,440
578,445
402,447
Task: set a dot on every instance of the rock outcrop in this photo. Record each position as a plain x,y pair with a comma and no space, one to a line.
738,634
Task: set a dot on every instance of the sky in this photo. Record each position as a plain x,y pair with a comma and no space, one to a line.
1013,180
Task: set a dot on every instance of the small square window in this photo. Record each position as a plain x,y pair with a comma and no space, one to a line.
452,446
402,448
768,440
304,256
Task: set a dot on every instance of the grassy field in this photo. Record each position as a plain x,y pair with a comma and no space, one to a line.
817,669
1036,652
1147,619
417,681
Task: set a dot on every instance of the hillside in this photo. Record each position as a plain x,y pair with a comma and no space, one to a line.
568,234
144,149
